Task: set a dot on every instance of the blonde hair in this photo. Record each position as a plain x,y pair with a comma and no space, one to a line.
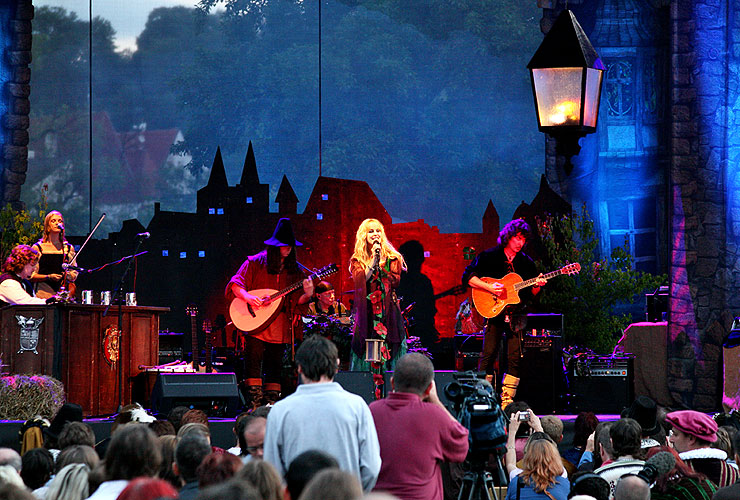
541,465
363,253
47,224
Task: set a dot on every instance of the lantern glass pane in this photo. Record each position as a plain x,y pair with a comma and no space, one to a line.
558,93
592,98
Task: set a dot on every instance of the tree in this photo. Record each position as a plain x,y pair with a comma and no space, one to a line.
588,301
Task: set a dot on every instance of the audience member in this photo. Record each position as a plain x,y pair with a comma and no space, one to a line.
8,456
632,487
189,453
626,439
724,443
147,488
320,414
68,412
194,416
524,428
70,483
14,492
682,482
731,492
541,474
304,467
9,475
168,443
264,478
235,489
645,412
332,484
77,454
133,452
195,428
692,436
217,468
254,438
175,416
553,427
162,428
518,419
76,433
588,483
584,425
598,448
37,466
410,454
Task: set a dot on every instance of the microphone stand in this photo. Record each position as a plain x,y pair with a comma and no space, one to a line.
116,295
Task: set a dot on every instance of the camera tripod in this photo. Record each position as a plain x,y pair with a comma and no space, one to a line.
477,484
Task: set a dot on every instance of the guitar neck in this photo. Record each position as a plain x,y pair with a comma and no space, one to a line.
194,338
530,282
285,291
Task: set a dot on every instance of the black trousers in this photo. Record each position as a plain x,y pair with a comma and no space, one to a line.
497,332
262,359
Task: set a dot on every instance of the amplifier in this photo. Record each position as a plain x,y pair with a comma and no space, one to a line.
601,366
541,342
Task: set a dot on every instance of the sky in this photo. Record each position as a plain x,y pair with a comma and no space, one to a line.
127,26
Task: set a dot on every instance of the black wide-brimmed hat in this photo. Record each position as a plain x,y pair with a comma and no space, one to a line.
283,235
645,411
69,412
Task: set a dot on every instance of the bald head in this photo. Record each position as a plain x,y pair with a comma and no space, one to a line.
632,488
414,372
8,456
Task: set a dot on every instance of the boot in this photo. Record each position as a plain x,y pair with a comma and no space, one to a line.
508,390
272,393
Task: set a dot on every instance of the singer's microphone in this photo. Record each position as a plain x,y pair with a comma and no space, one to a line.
658,465
61,227
70,267
143,235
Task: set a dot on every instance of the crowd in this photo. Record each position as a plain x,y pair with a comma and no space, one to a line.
324,443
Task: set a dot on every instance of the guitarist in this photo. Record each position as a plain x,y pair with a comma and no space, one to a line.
275,268
497,262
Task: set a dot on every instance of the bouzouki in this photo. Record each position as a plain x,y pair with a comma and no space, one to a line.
250,319
489,305
192,311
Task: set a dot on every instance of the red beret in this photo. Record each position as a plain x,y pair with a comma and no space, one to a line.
694,423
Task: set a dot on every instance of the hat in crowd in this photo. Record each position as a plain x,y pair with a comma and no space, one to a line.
69,412
323,286
645,411
694,423
283,235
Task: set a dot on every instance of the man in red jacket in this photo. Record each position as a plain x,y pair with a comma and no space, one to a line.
416,433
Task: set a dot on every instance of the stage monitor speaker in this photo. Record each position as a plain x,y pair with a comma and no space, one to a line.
601,384
214,393
542,378
360,383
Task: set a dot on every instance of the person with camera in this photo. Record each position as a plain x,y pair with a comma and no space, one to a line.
542,474
410,456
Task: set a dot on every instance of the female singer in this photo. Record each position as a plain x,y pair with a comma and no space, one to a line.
55,250
376,271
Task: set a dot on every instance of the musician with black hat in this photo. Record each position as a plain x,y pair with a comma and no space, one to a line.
273,268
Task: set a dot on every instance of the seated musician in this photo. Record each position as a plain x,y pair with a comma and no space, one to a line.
16,270
324,303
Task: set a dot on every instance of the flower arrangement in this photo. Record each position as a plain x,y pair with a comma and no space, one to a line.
22,397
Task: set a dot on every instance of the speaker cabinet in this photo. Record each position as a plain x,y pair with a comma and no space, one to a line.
214,393
601,384
542,383
360,383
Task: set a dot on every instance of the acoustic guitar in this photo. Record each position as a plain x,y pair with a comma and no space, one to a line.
250,319
489,305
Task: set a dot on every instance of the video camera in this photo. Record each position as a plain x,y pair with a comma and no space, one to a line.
476,408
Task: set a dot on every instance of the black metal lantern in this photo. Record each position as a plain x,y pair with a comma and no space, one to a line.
566,77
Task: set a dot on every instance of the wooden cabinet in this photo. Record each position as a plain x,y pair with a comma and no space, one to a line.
77,345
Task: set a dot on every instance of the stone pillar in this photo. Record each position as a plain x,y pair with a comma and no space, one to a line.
699,272
17,90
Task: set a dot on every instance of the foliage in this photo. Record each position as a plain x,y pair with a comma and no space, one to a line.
588,300
21,227
23,397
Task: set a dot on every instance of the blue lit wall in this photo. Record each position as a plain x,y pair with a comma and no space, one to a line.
6,8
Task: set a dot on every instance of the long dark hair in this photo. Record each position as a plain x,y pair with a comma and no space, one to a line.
273,261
